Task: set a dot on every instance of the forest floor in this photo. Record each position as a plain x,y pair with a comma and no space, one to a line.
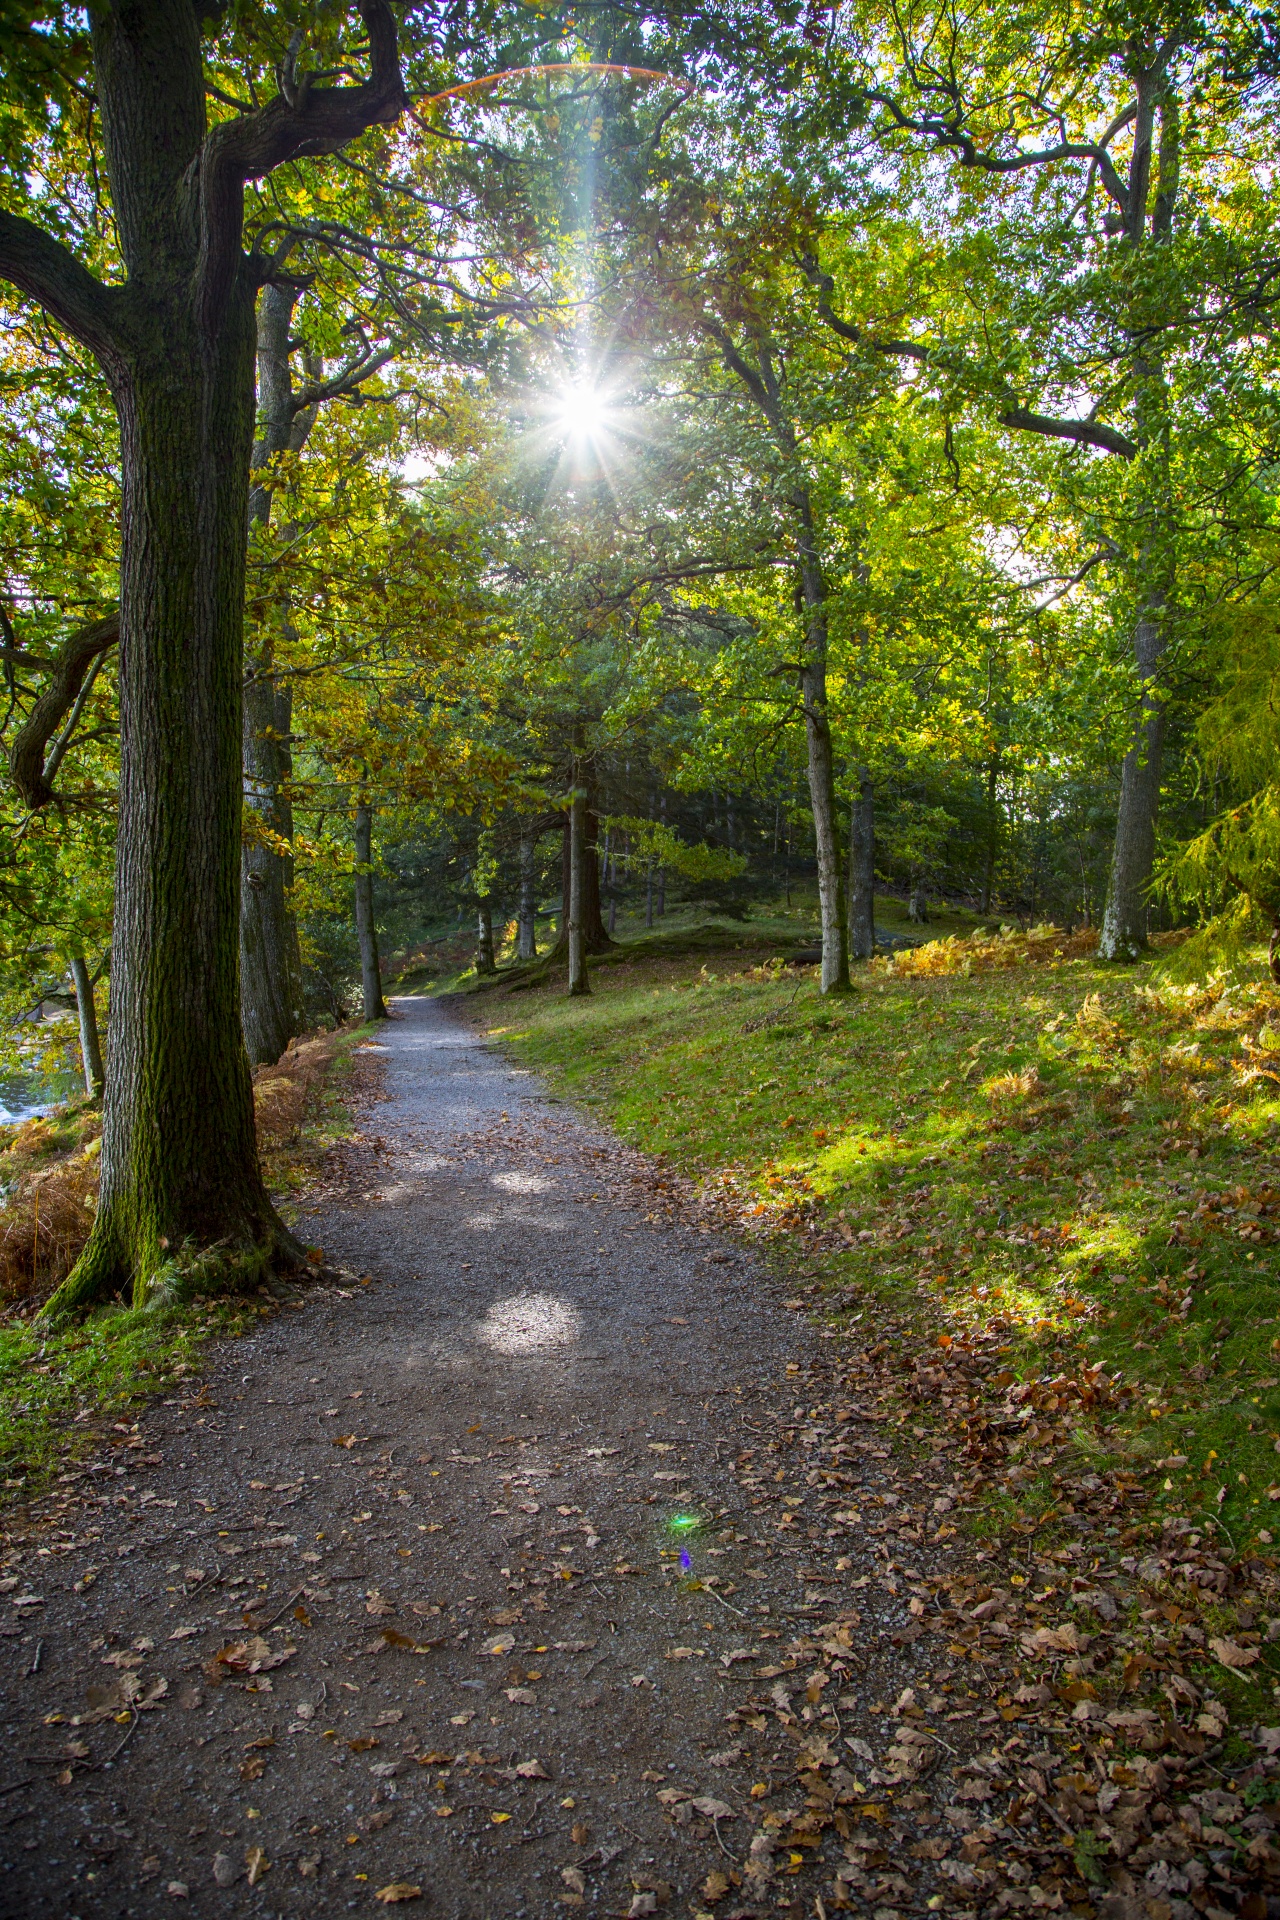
560,1561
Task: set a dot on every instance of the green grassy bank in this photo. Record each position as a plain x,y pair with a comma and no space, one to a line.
1070,1164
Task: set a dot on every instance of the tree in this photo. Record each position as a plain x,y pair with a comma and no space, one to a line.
175,337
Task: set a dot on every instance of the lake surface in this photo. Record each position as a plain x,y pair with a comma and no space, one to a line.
24,1096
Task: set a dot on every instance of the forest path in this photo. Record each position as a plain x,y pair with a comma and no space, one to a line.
484,1448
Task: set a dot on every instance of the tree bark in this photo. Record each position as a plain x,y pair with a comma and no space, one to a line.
1124,922
526,920
579,862
662,872
862,870
485,962
181,1187
271,1001
90,1045
993,834
372,1004
182,1202
594,932
822,781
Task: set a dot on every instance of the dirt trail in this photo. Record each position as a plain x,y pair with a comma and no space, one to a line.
445,1502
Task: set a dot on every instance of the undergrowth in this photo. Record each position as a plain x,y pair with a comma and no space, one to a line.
57,1384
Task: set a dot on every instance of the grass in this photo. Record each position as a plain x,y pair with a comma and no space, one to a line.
1078,1160
60,1388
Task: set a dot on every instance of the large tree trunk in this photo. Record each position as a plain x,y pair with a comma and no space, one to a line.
372,1004
822,782
862,870
182,1202
527,918
90,1045
181,1195
1124,922
579,862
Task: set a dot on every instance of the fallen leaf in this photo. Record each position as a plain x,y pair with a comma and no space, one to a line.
225,1870
573,1879
1232,1655
532,1770
498,1644
247,1656
712,1809
398,1890
257,1863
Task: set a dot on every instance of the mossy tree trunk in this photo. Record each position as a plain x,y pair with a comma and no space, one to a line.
181,1192
87,1011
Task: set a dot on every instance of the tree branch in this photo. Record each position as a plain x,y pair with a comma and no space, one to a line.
344,382
46,271
71,664
1086,433
302,120
948,133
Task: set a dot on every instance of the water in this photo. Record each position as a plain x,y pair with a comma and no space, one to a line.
24,1096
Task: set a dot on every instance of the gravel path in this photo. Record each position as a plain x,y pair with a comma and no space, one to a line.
447,1505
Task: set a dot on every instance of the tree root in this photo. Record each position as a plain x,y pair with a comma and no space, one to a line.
221,1267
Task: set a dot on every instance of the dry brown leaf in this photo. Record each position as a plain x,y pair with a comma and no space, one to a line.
1233,1655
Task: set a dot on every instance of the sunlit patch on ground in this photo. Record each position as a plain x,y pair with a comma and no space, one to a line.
530,1323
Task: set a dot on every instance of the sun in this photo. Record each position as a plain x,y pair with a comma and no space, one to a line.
581,411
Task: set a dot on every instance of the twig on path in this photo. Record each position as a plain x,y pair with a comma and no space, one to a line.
117,1751
35,1659
12,1786
724,1603
1056,1817
260,1626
